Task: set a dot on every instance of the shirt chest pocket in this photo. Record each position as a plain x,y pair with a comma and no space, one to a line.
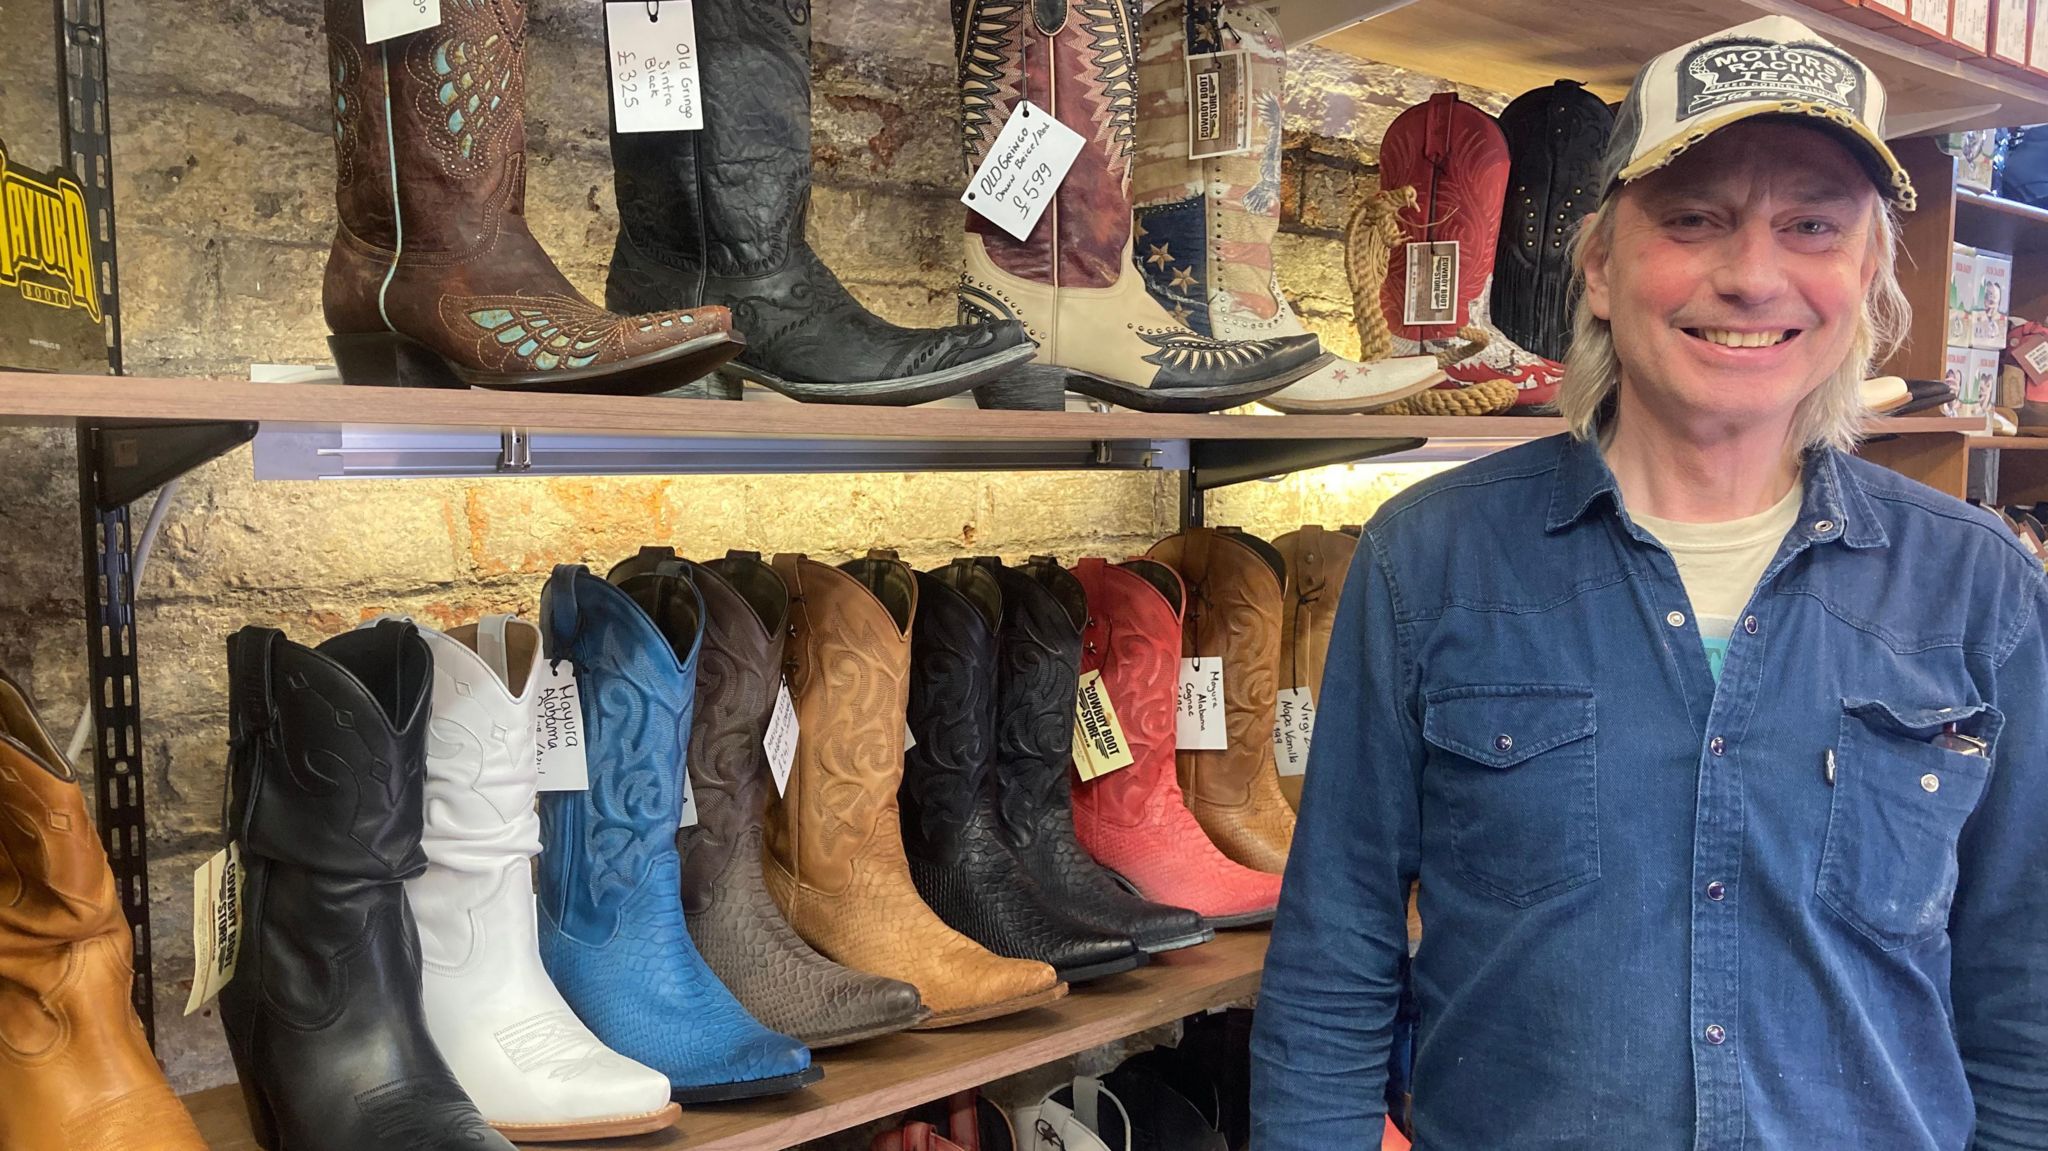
1516,768
1899,804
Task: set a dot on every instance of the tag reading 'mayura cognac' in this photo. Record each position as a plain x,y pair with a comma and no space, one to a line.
1294,724
1099,743
1219,105
1025,165
1198,713
558,729
1432,284
655,81
384,19
216,925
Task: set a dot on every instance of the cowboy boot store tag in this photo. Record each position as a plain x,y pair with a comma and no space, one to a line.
1024,167
655,83
1432,284
1099,743
384,19
1198,718
558,729
1294,723
216,925
1219,105
779,741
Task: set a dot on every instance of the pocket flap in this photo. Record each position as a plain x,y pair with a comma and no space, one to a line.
1502,726
1979,720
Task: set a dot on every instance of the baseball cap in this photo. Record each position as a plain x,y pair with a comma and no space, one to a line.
1774,66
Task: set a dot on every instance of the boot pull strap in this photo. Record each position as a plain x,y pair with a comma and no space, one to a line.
252,719
492,646
560,618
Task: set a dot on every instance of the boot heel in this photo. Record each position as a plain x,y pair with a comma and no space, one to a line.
389,360
1031,388
262,1123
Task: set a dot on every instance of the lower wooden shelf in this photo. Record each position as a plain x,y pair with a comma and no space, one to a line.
881,1077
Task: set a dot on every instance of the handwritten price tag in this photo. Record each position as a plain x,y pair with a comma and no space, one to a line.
779,741
1198,718
655,86
1024,168
1294,724
558,729
384,19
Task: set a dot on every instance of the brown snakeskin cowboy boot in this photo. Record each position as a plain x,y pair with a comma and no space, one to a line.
1317,562
434,279
1234,583
75,1071
836,863
734,922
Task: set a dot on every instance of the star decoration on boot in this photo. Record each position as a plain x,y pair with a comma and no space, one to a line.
1184,277
1160,257
1180,315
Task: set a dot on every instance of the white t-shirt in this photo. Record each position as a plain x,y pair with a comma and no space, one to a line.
1720,564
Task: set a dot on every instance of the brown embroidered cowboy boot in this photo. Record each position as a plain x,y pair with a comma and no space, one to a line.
835,860
75,1071
1234,583
1317,562
434,279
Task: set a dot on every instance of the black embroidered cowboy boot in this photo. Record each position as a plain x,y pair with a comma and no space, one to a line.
1038,665
958,859
327,799
717,217
434,279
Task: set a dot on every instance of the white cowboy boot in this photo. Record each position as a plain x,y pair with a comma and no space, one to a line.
533,1069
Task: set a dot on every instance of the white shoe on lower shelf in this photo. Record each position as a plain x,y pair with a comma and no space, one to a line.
1071,1118
532,1067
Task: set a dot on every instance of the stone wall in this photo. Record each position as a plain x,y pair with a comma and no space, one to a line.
224,170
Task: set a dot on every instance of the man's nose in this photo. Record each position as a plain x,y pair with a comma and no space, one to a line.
1752,268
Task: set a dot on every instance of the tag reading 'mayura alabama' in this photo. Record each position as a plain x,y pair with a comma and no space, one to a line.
1294,724
1025,165
779,741
655,82
1219,105
1198,714
384,19
216,925
1432,284
1099,743
558,729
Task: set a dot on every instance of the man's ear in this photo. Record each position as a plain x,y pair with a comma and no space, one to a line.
1593,259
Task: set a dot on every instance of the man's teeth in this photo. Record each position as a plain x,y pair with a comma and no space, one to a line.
1742,339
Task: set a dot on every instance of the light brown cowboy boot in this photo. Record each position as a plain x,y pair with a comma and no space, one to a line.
434,279
1234,585
1316,565
75,1070
835,860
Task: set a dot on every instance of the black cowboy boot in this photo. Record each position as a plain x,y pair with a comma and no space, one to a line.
326,800
958,859
1039,662
717,216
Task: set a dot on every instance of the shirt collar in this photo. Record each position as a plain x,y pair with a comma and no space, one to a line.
1834,507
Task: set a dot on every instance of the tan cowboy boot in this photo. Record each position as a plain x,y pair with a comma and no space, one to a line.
75,1070
835,860
434,279
1316,565
1234,586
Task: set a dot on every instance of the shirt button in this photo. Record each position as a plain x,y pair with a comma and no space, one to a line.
1717,891
1717,745
1503,743
1675,619
1716,1034
1930,783
1749,625
1823,527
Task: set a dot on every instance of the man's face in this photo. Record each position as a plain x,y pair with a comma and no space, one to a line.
1736,275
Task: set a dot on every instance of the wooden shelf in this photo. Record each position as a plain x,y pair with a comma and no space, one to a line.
2008,444
1512,46
882,1077
2001,225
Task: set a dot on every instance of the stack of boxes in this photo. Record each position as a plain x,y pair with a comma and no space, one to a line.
1979,285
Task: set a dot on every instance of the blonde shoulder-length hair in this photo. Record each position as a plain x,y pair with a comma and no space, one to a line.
1833,415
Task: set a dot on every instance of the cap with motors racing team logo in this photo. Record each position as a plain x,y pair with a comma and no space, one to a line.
1775,66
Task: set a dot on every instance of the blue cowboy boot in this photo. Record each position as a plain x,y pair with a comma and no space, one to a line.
611,925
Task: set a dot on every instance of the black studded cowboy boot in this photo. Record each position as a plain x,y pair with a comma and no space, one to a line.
1555,136
326,800
717,217
958,859
733,920
1038,664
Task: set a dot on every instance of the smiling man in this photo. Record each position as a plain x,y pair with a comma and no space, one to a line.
1718,753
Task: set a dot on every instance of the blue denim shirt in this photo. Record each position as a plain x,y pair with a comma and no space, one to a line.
1661,913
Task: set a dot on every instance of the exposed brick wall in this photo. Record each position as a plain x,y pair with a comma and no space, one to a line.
224,171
